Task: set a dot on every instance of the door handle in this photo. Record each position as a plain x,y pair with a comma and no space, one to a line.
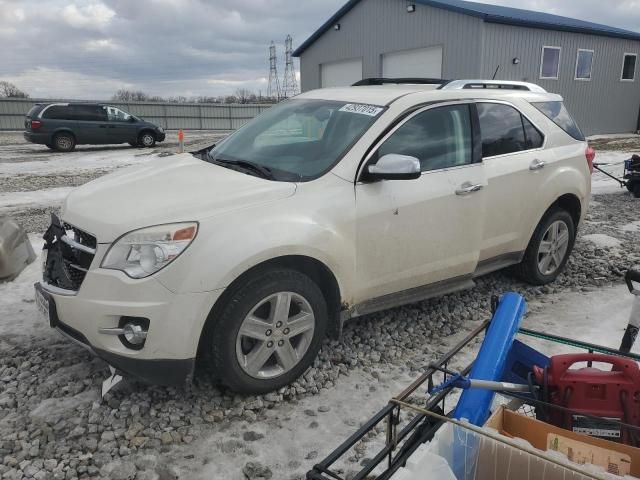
537,164
467,187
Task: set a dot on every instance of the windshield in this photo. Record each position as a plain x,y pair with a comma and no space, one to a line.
298,140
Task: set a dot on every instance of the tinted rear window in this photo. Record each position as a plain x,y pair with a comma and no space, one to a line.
91,113
557,112
32,112
58,112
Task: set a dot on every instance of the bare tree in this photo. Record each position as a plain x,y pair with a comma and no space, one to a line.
243,95
124,95
9,90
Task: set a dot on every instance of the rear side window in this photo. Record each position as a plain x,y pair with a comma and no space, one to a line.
89,113
504,130
58,112
557,112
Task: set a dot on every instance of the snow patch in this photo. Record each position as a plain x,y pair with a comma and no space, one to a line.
631,227
602,240
53,196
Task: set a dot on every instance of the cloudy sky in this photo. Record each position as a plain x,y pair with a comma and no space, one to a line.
91,48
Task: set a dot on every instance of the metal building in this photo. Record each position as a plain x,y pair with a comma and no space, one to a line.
594,67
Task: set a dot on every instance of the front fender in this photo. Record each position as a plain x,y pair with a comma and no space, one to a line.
228,245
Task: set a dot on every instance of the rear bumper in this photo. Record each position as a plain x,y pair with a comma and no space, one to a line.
33,137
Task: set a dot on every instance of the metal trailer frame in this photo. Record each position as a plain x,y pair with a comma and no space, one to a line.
401,443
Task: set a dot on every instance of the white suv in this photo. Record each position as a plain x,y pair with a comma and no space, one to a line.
334,204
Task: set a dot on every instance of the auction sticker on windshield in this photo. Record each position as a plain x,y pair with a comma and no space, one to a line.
370,110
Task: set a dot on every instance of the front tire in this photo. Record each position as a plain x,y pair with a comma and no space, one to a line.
268,333
64,142
147,139
549,248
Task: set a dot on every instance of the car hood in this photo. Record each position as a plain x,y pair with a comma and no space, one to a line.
176,188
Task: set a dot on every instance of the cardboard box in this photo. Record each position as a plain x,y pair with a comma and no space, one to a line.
539,434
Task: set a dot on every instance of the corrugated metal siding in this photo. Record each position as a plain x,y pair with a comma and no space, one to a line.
374,27
602,105
168,115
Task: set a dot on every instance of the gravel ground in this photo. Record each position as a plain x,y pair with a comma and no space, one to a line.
54,425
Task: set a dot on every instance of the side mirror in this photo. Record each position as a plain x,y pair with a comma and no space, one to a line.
395,167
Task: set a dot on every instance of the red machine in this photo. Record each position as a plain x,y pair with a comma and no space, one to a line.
595,401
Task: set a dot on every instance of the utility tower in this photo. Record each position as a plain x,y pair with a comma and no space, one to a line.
290,83
273,91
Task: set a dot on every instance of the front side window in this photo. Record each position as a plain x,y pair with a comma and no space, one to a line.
550,63
117,115
629,67
440,138
299,139
584,64
557,112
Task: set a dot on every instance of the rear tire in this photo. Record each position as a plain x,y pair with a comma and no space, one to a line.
549,248
64,142
147,139
268,333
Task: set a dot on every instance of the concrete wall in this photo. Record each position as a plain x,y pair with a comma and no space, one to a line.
375,27
602,105
193,116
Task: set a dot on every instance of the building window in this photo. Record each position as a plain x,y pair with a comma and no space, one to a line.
629,67
584,64
550,63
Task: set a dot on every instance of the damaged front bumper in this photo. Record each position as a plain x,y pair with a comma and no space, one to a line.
154,371
91,305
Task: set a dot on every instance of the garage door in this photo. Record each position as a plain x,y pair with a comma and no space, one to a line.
419,62
340,74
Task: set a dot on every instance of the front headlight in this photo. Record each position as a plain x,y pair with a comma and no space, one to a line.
143,252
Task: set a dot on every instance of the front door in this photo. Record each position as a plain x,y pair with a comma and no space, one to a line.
122,126
412,233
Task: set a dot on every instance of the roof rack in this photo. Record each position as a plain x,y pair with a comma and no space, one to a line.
399,81
491,84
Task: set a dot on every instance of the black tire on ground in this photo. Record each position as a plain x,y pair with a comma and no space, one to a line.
146,139
634,188
221,342
50,146
64,142
529,269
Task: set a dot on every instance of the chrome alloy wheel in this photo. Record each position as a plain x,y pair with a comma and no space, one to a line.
275,335
63,142
553,247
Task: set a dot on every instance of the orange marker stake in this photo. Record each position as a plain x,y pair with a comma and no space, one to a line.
181,140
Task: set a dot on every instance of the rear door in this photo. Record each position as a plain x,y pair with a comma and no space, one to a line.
412,233
92,125
56,117
516,165
122,126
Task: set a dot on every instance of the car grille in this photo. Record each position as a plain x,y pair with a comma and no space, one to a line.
69,258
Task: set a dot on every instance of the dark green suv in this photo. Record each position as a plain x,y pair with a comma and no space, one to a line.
62,126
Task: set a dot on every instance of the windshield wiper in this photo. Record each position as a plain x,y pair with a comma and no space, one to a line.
261,170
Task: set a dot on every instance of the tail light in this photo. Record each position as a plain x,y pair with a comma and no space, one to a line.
35,124
590,154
